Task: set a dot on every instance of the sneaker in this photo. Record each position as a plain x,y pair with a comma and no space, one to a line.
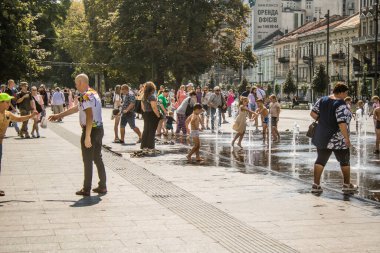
349,188
82,192
100,190
316,189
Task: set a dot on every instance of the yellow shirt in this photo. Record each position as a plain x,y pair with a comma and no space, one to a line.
4,123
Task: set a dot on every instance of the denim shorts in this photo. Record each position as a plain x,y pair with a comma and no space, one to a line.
128,118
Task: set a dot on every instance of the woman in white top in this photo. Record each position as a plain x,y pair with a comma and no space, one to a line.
37,106
116,112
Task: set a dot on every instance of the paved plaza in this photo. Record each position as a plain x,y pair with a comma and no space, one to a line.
163,204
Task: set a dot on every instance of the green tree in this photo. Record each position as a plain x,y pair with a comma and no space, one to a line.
243,85
320,79
289,85
153,39
19,41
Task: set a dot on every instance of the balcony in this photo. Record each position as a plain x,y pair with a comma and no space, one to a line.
337,78
307,59
363,40
338,57
284,59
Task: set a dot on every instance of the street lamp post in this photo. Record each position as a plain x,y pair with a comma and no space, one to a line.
328,51
376,40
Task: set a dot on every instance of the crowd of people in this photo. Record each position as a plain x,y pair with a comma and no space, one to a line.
193,109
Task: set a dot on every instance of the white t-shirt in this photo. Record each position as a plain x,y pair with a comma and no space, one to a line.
116,101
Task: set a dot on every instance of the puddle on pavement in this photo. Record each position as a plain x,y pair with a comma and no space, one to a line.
292,160
295,161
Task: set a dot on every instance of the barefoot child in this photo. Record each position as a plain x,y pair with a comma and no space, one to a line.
241,121
264,113
194,125
169,123
376,117
6,117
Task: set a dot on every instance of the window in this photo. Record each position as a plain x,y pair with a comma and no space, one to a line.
309,4
309,18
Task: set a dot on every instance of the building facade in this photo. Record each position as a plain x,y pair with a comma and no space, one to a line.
302,50
365,47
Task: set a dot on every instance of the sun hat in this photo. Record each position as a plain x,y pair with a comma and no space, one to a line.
5,97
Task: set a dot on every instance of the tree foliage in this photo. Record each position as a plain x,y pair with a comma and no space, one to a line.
320,79
289,85
153,38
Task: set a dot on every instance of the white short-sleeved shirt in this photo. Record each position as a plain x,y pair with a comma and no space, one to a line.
90,99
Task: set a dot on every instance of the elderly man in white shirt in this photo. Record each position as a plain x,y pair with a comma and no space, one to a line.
57,101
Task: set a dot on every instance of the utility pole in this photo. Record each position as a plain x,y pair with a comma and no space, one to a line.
297,69
348,64
376,44
328,51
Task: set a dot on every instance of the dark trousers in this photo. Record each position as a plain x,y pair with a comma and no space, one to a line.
24,128
93,154
150,127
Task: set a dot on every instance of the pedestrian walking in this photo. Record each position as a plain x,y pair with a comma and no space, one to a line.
24,104
181,95
151,116
205,116
332,135
117,102
240,124
128,115
5,118
230,101
90,119
184,111
194,134
163,104
57,102
37,106
216,101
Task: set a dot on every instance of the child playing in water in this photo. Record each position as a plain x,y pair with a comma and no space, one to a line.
169,122
376,117
194,126
241,121
359,114
264,113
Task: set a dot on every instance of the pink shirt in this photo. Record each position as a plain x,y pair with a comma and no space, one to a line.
230,99
181,96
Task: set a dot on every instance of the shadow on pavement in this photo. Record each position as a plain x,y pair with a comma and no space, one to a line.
87,201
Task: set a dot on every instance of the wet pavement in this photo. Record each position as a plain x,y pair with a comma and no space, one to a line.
284,159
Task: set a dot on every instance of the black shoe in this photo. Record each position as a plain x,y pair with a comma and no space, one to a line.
82,192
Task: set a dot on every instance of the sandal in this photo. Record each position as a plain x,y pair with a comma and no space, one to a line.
83,193
316,189
2,193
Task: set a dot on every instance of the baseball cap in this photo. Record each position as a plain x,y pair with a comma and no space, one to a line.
5,97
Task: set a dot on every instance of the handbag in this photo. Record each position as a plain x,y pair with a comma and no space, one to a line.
310,133
189,109
138,108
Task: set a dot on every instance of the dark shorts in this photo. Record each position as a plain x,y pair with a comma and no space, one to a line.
128,118
342,155
378,124
274,121
169,126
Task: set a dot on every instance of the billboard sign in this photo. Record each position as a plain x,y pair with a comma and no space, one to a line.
267,14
